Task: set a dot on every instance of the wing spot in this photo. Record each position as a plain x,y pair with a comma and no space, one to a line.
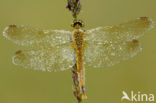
132,45
135,41
18,52
144,18
12,26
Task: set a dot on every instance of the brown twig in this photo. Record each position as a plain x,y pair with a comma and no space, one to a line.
75,7
76,89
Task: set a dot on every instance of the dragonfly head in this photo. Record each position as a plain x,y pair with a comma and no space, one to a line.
77,24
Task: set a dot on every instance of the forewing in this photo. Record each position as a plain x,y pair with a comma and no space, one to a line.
119,33
103,55
48,59
30,36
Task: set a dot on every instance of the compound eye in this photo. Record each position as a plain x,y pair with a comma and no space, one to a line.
81,22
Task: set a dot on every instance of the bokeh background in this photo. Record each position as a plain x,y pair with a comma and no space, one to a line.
18,85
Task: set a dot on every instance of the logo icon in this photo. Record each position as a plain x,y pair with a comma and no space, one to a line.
125,96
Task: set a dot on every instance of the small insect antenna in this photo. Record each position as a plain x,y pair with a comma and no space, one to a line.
75,7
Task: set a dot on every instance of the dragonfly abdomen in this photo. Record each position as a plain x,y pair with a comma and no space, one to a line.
79,46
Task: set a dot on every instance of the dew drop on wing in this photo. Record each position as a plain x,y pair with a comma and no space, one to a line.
46,59
106,46
34,36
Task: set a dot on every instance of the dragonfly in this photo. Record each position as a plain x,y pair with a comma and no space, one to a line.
59,50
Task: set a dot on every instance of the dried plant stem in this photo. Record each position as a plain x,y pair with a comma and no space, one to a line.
76,87
75,7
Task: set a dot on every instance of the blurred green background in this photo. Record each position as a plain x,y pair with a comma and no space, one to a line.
18,85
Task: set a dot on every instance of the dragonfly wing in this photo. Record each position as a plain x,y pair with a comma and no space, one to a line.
58,58
122,32
104,55
30,36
